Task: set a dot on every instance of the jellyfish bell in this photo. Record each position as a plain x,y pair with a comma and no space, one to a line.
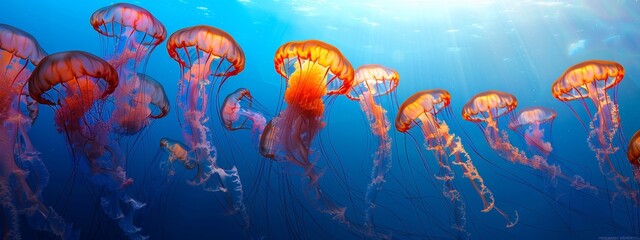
489,105
312,69
586,79
199,46
19,54
77,72
429,101
134,30
374,79
18,46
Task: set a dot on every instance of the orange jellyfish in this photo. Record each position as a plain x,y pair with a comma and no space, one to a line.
421,109
485,109
77,84
130,33
150,102
238,113
535,124
591,80
370,82
633,154
312,70
207,56
23,175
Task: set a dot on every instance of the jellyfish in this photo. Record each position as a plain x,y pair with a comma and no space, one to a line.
23,175
237,112
312,70
131,33
534,122
206,56
633,154
422,109
370,82
485,109
150,102
591,80
77,84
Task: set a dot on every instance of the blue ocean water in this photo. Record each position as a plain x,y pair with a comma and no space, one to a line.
465,47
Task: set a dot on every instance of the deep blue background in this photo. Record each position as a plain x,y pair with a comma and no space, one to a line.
466,47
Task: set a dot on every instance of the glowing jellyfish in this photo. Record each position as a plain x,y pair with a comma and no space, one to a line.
633,154
23,175
535,124
149,102
591,80
130,33
77,84
485,109
237,112
133,32
312,70
370,82
422,109
206,56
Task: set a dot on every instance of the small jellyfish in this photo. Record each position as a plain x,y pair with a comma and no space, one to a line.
535,123
238,112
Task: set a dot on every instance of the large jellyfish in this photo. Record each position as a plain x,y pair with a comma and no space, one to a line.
591,80
77,84
312,70
421,109
130,34
485,109
633,154
23,175
207,56
370,82
238,113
